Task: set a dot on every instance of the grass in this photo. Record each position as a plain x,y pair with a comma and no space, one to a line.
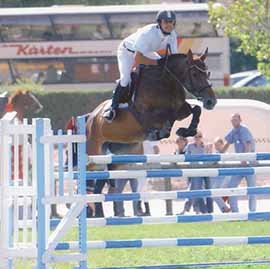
173,255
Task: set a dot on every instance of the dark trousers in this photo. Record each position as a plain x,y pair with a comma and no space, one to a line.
209,200
99,185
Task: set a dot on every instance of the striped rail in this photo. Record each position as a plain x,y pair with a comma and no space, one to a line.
155,158
158,173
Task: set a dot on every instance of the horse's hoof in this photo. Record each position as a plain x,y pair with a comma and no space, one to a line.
185,132
192,132
182,132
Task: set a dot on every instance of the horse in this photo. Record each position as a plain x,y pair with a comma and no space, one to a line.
23,101
157,102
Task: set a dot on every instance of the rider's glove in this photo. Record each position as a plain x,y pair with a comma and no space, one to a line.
161,61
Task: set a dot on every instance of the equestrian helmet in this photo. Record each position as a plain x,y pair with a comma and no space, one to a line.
166,15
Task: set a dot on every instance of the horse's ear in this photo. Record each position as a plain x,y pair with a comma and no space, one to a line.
204,55
190,56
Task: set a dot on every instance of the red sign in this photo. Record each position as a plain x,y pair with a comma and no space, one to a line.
58,49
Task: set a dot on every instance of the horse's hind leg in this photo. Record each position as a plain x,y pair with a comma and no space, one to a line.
185,111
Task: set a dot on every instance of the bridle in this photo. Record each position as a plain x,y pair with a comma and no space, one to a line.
197,93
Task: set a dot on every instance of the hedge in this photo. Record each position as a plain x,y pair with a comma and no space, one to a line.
60,105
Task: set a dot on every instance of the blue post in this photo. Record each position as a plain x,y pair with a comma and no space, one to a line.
41,235
82,191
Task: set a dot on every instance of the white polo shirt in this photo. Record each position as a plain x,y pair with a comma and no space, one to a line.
149,39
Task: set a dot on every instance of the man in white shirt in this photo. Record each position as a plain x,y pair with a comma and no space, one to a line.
141,48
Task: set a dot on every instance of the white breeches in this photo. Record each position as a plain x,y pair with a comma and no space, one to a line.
125,62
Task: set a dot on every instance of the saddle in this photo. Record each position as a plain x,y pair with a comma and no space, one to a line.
133,85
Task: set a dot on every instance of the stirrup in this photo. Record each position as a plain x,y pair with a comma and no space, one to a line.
109,115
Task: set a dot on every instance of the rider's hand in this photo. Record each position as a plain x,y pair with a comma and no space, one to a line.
161,61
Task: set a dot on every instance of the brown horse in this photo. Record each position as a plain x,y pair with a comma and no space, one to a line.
156,104
23,101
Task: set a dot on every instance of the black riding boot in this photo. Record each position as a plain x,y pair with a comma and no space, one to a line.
54,213
147,209
110,114
139,209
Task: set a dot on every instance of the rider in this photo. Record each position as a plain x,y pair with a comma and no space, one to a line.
140,47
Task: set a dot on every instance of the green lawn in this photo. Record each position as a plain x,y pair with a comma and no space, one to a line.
174,255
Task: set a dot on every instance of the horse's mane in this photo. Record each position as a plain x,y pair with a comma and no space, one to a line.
177,55
183,55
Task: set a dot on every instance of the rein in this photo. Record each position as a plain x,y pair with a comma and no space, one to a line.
178,81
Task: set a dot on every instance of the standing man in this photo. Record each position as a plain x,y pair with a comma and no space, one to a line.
141,48
243,141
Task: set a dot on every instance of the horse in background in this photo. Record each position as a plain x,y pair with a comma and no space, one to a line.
22,101
158,101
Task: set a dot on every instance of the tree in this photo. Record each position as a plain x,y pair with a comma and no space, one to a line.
249,21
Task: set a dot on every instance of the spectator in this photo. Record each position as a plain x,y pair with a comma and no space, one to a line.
120,184
220,181
197,183
243,141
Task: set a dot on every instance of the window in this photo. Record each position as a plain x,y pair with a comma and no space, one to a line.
62,70
81,27
125,24
258,81
25,28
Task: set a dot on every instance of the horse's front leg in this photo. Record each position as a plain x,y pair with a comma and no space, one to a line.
184,113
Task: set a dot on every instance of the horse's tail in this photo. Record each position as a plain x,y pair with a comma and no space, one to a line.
73,126
92,116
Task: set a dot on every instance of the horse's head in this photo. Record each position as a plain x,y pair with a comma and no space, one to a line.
196,80
22,101
191,73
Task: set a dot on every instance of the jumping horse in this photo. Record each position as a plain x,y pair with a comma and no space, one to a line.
158,101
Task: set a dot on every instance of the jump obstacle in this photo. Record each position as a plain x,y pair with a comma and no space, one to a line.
27,231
